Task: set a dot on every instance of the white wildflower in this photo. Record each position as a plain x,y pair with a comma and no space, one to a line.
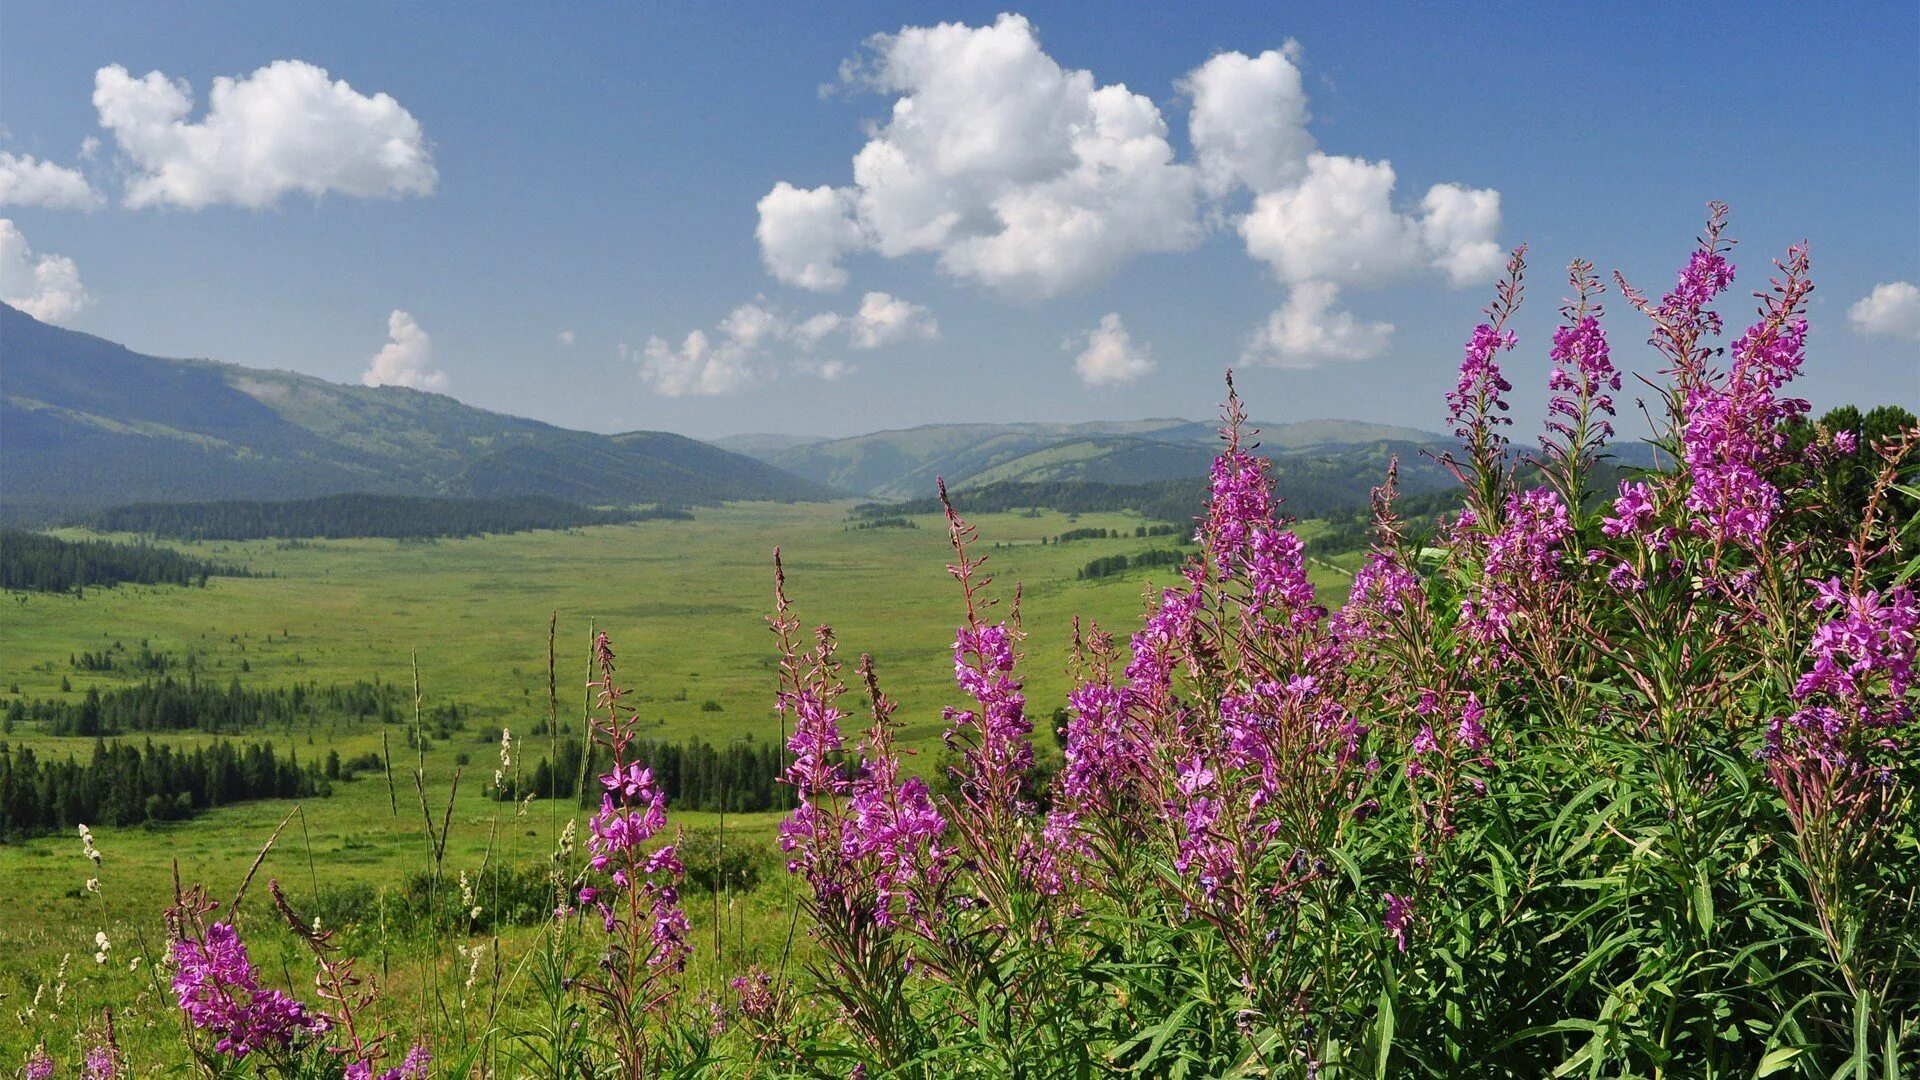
101,946
86,845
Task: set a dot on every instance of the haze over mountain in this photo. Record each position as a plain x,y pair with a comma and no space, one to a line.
905,463
87,422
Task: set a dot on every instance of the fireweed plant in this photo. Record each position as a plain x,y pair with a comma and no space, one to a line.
1610,783
1578,782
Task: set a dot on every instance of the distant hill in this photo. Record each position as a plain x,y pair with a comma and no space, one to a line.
762,445
903,464
86,423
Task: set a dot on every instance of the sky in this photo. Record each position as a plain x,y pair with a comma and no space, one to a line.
833,219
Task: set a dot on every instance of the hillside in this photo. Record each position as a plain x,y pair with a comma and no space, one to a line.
904,463
86,422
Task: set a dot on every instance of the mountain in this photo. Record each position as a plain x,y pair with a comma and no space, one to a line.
762,445
904,463
85,422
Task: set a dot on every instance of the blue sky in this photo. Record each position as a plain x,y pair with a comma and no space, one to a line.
596,169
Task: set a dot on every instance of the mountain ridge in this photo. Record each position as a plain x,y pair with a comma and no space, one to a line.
87,422
904,462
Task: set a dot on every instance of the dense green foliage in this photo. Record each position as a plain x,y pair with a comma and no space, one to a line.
341,516
1109,565
739,777
192,704
50,564
122,784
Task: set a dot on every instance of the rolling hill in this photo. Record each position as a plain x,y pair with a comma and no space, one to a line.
904,463
86,423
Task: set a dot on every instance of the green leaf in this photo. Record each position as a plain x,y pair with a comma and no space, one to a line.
1386,1034
1776,1060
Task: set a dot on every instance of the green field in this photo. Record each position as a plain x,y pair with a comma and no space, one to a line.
685,604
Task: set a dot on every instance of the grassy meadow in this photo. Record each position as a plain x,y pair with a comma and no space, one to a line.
684,603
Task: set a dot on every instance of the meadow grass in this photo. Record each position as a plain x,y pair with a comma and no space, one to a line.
684,603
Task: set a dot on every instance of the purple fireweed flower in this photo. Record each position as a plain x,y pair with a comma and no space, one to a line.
1103,753
1845,442
1382,592
414,1067
1050,862
1706,275
1240,501
891,837
1472,734
39,1064
1867,638
1731,438
638,899
1522,557
1001,753
1632,510
219,990
102,1063
1476,401
1582,383
1398,918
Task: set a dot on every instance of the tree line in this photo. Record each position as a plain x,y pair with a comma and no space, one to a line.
121,784
335,517
1109,565
42,563
170,704
740,777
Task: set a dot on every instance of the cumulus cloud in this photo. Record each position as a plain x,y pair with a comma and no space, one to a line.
565,338
27,181
406,359
1249,120
1458,226
1009,169
1108,354
697,367
827,370
1306,331
287,127
46,287
1892,309
757,340
804,232
888,320
1338,224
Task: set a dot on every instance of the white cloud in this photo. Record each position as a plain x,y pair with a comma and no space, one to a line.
1249,120
286,127
1892,309
827,370
815,329
406,359
27,181
803,233
1108,355
1459,230
565,338
1337,224
1011,170
888,320
757,340
1306,331
46,287
697,366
